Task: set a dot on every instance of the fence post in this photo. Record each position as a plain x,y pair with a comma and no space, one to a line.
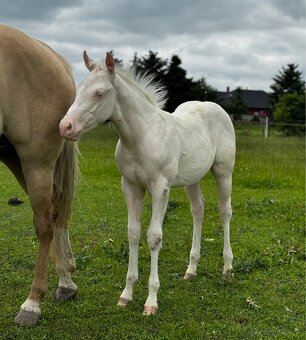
266,127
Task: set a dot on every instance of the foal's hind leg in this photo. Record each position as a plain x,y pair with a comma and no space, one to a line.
224,182
197,209
39,180
65,264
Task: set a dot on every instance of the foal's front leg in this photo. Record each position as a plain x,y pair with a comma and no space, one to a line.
160,196
134,198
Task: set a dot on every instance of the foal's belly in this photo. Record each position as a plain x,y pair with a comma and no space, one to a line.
192,169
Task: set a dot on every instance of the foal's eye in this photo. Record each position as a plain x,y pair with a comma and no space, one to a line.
98,94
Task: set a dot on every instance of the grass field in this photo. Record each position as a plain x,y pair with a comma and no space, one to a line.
265,300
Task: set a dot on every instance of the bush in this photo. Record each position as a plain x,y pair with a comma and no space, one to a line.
290,109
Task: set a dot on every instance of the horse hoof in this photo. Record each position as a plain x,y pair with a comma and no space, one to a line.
123,302
228,275
26,318
189,276
63,293
149,310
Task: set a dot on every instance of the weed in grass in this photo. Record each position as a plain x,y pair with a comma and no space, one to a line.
82,257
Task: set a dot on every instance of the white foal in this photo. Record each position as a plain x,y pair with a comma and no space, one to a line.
157,150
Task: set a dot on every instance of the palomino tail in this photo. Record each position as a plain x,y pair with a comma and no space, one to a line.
66,171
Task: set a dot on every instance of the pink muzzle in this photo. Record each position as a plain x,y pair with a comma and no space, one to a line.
68,129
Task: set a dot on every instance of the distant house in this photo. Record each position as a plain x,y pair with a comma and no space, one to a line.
257,102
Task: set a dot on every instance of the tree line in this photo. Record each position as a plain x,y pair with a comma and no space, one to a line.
287,96
171,75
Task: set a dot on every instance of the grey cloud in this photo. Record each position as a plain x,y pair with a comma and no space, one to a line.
229,41
36,10
295,9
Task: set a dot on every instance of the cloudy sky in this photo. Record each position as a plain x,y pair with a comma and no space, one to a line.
229,42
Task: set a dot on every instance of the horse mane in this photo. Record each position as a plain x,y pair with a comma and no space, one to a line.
147,84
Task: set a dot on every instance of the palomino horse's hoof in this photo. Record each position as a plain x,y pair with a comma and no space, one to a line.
26,318
149,310
189,276
63,293
123,302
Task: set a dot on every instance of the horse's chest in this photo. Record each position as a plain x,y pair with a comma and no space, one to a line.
137,169
130,166
135,172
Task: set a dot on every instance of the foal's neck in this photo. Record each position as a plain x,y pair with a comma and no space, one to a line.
134,113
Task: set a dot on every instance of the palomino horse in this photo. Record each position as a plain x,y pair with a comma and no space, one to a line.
36,90
156,151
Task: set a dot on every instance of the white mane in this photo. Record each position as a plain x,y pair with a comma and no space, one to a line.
146,83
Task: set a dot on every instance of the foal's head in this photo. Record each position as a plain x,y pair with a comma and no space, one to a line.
95,99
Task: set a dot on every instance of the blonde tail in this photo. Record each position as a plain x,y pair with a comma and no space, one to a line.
65,175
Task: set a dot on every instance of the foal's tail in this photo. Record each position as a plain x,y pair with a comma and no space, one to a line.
66,171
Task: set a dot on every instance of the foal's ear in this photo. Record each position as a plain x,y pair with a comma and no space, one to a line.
90,64
110,63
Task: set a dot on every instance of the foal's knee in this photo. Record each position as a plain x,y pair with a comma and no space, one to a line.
225,209
154,240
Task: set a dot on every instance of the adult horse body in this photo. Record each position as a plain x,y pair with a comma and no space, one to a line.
36,89
156,151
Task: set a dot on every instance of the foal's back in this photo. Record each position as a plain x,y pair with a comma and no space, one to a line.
206,136
206,115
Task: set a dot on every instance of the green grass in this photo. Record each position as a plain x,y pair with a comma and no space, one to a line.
265,300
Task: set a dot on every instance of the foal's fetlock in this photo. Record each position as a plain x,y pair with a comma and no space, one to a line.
228,274
123,302
189,276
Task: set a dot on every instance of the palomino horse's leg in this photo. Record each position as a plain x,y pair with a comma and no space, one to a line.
197,209
224,181
65,264
39,181
160,195
134,199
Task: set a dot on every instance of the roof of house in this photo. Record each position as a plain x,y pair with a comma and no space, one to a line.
256,99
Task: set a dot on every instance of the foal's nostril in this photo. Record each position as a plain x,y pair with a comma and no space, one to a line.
68,128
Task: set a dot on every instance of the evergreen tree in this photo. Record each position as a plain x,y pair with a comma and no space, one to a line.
288,80
170,74
178,85
202,91
150,64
